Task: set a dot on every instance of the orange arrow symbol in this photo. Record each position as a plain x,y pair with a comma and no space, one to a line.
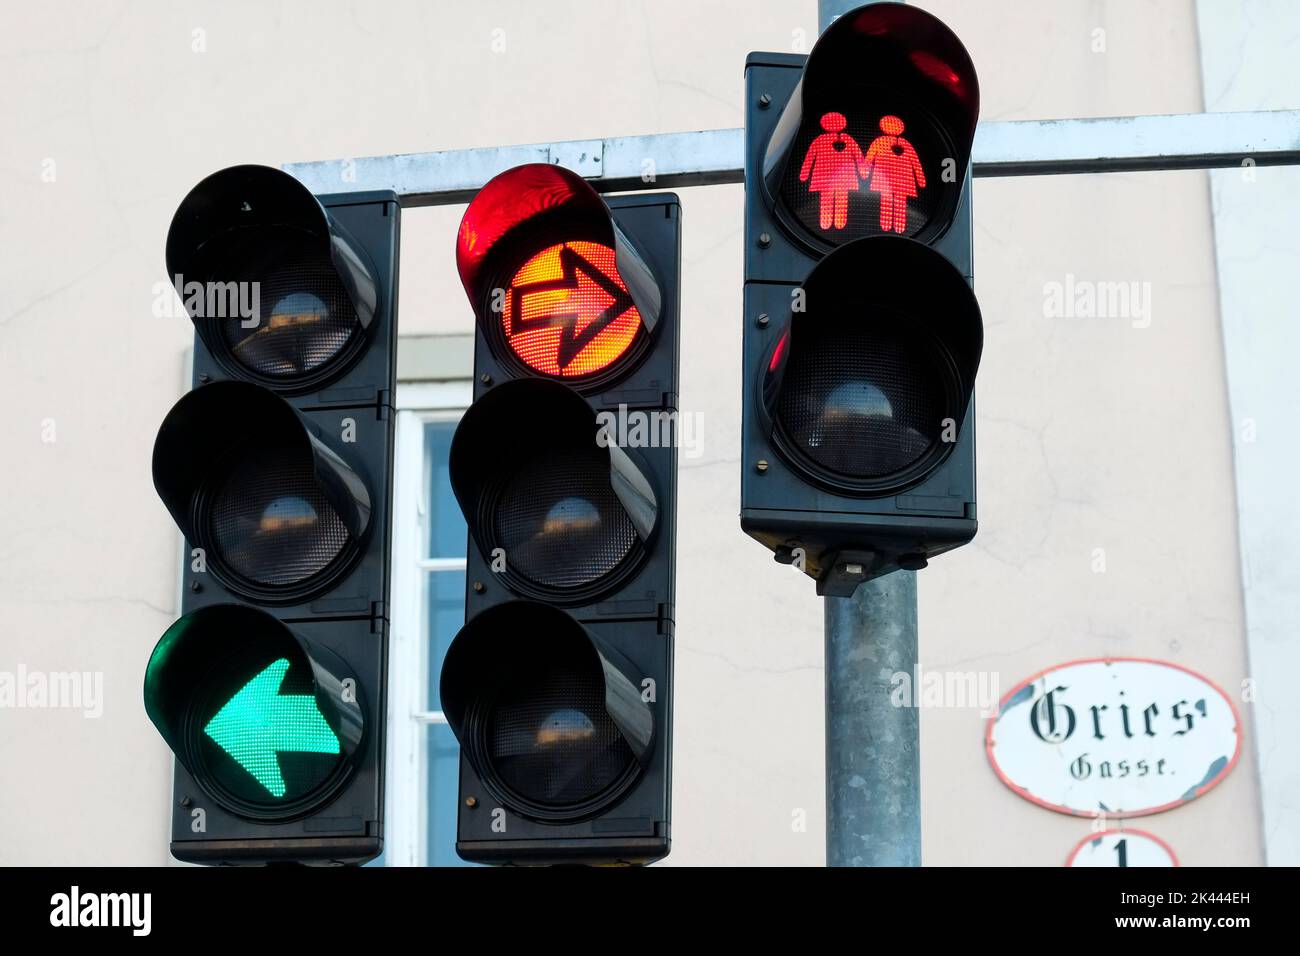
594,300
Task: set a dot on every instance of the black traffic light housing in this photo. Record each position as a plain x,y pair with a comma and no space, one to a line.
277,468
861,335
559,685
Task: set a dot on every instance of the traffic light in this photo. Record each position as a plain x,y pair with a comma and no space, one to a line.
558,687
862,336
277,467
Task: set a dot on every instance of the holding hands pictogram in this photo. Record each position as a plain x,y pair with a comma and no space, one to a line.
835,166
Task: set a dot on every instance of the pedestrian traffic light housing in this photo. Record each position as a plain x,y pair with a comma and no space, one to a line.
862,337
277,468
558,687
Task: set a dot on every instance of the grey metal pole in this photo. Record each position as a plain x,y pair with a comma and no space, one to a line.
873,749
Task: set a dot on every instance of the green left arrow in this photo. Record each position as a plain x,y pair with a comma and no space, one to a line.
259,722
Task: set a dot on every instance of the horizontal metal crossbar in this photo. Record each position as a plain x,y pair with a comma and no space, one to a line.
710,157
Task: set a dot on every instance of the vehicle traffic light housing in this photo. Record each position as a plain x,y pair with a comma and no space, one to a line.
862,336
277,468
558,688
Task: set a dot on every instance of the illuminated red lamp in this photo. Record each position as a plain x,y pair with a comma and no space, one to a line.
888,97
557,288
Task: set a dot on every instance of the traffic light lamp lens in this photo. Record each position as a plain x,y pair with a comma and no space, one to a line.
567,313
551,741
866,402
876,169
560,523
255,712
270,522
305,321
264,740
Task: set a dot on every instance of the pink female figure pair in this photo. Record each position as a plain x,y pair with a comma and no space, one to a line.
835,165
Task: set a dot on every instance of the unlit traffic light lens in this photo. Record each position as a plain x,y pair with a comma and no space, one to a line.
866,402
270,521
559,521
306,320
551,742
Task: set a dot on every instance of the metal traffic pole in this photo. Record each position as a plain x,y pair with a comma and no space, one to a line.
873,749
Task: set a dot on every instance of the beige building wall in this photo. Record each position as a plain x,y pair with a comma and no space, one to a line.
1093,434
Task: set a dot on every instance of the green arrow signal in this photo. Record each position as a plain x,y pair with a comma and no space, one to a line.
259,722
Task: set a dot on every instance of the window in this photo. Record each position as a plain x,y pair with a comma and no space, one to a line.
428,594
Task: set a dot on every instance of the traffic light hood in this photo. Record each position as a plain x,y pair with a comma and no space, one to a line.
528,208
212,426
522,428
512,645
235,225
885,279
865,308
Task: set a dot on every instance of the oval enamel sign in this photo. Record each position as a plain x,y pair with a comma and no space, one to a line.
1118,737
1122,848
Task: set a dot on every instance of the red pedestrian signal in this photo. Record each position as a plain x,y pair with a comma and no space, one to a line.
892,169
862,335
834,166
874,139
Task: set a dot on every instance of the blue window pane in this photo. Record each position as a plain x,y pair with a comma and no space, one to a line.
444,525
444,793
445,610
444,613
445,606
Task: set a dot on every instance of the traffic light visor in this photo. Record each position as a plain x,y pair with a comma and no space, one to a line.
868,384
569,514
557,286
278,290
877,136
278,514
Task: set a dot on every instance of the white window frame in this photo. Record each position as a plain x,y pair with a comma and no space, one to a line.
406,801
